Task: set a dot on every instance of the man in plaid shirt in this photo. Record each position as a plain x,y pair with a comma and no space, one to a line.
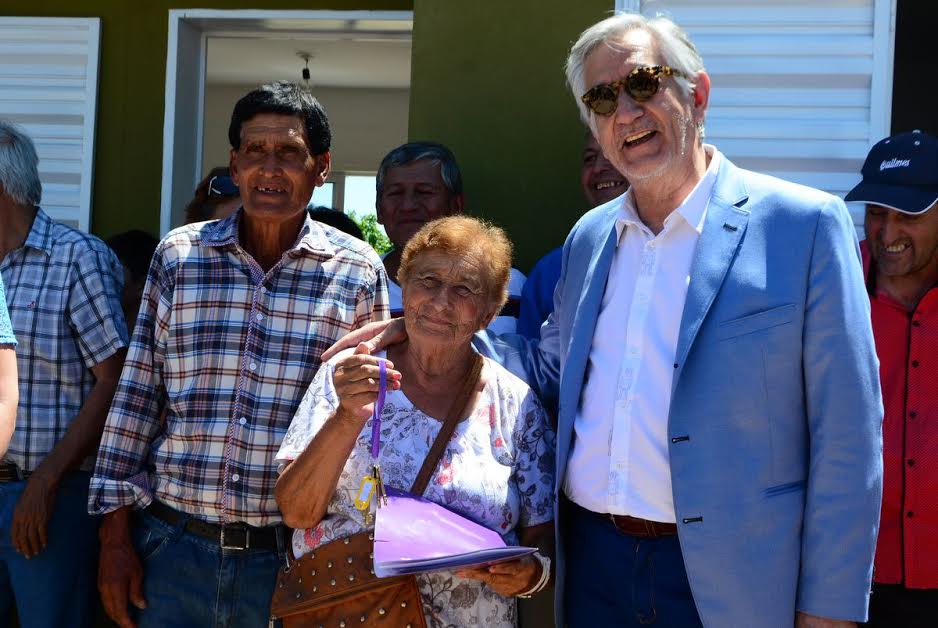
63,291
235,315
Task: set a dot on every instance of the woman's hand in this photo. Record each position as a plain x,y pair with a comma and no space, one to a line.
357,379
508,578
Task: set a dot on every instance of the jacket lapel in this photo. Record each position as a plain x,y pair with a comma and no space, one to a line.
723,230
589,295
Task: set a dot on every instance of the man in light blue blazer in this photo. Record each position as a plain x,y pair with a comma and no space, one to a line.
714,368
712,363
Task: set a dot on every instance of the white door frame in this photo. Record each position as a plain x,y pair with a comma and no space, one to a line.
180,176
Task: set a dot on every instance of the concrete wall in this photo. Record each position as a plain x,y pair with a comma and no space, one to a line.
366,124
487,79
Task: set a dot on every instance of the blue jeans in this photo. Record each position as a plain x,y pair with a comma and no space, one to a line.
613,579
190,582
57,588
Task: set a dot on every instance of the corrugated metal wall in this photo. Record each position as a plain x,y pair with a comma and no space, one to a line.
801,88
48,85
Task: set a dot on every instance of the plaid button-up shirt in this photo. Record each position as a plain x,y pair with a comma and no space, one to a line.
64,296
227,351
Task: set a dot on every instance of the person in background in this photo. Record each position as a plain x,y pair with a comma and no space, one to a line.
235,315
134,249
416,183
217,196
900,258
601,183
9,386
63,291
336,219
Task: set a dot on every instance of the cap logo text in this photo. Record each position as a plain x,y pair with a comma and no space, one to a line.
894,163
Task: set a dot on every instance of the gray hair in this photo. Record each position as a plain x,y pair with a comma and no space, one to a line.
19,165
406,154
675,46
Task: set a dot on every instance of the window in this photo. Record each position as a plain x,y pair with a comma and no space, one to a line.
49,86
324,195
348,193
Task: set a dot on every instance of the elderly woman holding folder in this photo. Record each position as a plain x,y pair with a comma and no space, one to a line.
496,468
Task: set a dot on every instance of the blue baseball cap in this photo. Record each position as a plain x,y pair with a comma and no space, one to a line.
901,173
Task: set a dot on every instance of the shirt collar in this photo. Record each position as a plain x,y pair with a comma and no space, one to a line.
693,209
311,238
40,234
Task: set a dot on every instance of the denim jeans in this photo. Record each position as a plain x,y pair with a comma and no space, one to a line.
613,579
55,589
190,582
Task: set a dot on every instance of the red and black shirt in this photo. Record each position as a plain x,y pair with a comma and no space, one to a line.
907,345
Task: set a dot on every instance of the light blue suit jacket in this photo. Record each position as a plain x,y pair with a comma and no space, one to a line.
775,420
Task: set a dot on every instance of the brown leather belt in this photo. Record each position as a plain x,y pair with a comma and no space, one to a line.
641,528
9,472
231,536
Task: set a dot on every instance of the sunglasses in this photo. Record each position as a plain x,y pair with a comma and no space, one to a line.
222,185
641,84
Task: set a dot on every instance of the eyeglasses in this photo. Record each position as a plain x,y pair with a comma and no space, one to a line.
641,84
222,185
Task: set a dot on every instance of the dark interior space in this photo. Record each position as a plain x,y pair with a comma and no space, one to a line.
914,88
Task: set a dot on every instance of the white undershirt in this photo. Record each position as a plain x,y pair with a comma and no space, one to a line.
619,459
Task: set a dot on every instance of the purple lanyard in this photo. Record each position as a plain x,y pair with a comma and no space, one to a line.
376,415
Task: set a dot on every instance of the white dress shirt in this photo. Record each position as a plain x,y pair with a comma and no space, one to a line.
619,459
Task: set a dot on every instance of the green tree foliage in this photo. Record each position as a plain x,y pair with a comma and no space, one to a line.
373,233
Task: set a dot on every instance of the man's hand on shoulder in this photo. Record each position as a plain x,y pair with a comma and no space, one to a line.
803,620
376,336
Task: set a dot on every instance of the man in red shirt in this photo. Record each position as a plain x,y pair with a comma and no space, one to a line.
900,257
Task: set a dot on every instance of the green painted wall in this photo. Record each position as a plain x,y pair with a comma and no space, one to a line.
129,139
487,80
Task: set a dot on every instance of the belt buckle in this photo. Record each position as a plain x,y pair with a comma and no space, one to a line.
9,472
244,546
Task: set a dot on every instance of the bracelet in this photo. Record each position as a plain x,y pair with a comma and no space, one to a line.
542,581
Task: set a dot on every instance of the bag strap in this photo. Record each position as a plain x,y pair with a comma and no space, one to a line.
455,414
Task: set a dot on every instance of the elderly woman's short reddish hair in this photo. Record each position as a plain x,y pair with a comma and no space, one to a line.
462,235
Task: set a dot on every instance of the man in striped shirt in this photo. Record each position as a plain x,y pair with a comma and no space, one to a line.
234,318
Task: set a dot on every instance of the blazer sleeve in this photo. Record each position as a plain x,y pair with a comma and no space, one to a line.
844,415
535,360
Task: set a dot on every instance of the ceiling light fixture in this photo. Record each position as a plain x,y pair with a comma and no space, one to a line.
305,56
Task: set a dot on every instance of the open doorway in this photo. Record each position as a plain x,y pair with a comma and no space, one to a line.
912,107
359,67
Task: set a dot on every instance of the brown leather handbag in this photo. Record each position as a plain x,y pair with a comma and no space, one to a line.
335,585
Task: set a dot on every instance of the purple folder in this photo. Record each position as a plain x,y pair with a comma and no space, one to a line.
415,535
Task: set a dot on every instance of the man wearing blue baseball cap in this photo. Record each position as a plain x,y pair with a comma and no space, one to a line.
900,258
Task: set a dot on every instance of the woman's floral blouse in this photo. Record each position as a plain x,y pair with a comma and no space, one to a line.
497,470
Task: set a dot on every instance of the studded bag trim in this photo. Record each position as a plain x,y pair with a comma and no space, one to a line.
335,586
